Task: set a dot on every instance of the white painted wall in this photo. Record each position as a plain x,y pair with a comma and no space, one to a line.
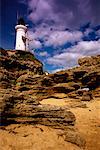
20,31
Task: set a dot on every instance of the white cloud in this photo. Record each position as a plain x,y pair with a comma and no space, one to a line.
40,9
57,70
58,38
69,57
34,44
54,38
65,59
33,41
44,53
86,48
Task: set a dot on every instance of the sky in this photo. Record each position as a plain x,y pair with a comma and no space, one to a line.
61,31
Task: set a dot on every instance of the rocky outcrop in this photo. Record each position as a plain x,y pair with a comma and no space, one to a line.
14,64
23,72
89,61
25,109
87,75
20,61
23,85
17,108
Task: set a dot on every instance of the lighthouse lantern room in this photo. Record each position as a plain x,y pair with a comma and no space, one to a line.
21,30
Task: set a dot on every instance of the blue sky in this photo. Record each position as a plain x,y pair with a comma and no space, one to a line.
61,31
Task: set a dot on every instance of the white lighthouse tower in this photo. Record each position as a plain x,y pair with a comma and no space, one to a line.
21,32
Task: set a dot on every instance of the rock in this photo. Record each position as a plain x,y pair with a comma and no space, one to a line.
28,111
87,96
23,84
59,95
96,92
59,78
23,72
20,60
74,95
79,73
63,88
75,138
24,109
47,81
3,52
92,79
89,61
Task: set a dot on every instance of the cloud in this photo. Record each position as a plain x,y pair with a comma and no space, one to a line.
57,23
34,43
86,48
69,57
57,70
58,38
98,33
55,38
52,17
88,30
44,53
66,59
66,13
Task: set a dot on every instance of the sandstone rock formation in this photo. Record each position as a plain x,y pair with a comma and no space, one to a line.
23,84
23,72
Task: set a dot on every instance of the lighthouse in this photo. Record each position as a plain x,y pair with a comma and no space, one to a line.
21,32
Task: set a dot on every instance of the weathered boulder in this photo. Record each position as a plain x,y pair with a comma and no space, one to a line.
87,96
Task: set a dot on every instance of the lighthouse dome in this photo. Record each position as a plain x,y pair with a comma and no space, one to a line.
21,21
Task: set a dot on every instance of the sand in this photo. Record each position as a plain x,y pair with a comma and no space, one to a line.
87,119
28,137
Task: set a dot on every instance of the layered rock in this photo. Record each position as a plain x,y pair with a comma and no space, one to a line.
89,61
20,62
23,72
23,84
22,109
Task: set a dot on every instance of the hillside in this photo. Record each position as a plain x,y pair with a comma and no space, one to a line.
48,105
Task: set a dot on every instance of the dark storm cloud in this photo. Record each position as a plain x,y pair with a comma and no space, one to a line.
67,13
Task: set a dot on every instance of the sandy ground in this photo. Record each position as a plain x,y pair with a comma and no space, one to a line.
87,119
88,123
28,137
